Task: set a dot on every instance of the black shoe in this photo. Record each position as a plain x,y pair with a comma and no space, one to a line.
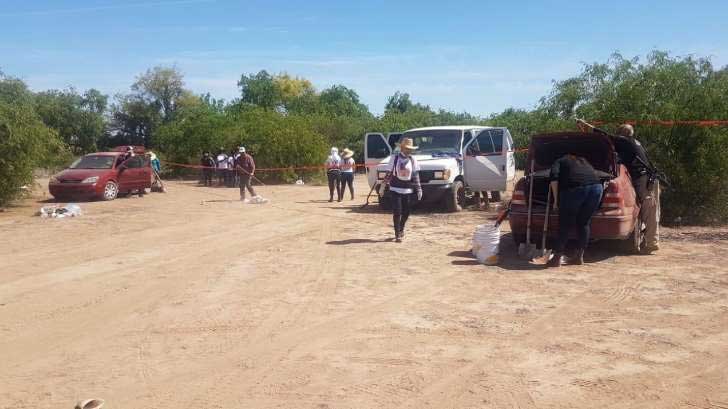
556,261
579,257
401,235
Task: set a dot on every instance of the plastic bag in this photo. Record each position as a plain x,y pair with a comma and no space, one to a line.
486,240
59,212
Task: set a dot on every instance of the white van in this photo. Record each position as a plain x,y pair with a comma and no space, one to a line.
455,161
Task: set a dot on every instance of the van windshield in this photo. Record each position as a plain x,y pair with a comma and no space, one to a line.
93,162
437,141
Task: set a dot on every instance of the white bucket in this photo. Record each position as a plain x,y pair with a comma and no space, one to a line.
485,243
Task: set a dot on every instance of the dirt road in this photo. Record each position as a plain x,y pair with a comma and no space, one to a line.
171,302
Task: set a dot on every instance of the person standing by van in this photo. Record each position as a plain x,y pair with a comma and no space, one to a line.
347,173
634,157
404,181
577,193
333,174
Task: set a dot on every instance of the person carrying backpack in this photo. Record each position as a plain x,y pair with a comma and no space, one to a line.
404,180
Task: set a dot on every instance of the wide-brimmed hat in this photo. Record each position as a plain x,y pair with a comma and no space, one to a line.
347,153
407,143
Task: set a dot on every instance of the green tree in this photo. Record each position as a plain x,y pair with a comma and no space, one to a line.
26,142
78,119
260,90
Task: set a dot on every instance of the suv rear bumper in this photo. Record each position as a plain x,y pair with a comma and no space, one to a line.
603,225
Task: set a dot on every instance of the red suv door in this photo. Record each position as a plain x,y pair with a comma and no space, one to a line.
131,175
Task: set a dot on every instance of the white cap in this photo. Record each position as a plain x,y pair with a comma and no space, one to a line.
241,149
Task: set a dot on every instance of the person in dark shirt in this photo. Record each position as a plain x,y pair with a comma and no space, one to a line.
208,169
246,168
631,153
577,192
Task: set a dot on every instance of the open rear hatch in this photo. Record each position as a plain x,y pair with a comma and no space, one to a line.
596,148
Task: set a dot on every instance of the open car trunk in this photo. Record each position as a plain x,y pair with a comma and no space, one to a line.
545,149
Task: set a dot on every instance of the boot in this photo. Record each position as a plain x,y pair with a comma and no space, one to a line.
579,257
556,261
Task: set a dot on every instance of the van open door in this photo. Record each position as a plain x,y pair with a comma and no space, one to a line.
376,148
393,139
489,161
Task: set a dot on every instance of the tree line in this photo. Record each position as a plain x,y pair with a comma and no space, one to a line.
287,122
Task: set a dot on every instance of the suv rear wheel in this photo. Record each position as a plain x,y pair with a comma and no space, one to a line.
636,241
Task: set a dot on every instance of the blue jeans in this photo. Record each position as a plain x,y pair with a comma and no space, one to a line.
576,207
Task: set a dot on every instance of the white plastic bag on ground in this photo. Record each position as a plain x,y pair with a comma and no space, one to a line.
59,212
485,243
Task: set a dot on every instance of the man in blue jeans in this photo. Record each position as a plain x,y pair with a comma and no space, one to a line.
577,194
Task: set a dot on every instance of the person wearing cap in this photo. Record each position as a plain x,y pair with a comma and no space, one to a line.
246,169
347,172
404,180
333,174
208,168
632,154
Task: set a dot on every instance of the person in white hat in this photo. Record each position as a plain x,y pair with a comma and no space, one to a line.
333,174
246,169
403,180
347,172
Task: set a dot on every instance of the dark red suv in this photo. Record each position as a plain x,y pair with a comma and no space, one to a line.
103,175
618,214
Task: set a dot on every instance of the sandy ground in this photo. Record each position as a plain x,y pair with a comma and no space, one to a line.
171,302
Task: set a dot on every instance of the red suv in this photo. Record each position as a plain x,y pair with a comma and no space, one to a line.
618,214
103,175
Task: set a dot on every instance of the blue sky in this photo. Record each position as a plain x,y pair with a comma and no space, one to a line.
475,56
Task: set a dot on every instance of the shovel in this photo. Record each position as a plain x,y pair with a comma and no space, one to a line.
527,249
544,255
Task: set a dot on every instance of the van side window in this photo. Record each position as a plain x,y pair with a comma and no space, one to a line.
497,137
484,143
377,148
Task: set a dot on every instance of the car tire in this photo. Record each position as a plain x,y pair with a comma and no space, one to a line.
495,196
636,241
455,198
111,190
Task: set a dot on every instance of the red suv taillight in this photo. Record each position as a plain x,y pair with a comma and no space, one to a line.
518,198
613,197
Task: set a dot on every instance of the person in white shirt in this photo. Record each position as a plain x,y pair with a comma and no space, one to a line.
333,173
222,165
403,180
347,172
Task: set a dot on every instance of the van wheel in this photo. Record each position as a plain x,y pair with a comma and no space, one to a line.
455,199
111,190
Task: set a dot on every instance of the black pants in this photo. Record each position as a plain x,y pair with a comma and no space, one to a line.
400,210
334,183
207,176
347,178
245,184
576,207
